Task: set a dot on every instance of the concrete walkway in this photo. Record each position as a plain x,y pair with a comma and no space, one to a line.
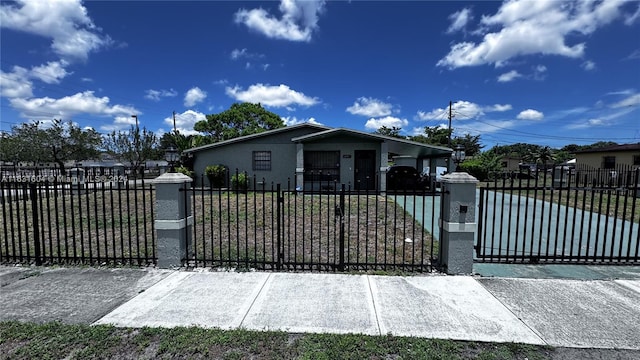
557,312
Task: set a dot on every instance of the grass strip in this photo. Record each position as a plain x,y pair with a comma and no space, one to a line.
62,341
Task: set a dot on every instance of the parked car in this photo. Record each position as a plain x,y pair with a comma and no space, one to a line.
405,178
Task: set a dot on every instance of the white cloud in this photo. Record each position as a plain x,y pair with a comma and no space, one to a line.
186,121
509,76
299,20
276,96
462,110
630,19
633,100
292,120
498,108
16,84
194,96
68,106
65,21
370,107
590,123
459,20
51,73
388,121
589,65
530,114
526,27
237,53
155,95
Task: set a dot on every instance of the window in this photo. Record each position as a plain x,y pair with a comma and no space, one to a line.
636,160
609,162
262,160
321,165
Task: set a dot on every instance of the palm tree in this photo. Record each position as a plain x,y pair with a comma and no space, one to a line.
544,155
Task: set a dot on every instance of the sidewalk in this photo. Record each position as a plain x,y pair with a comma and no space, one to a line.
556,312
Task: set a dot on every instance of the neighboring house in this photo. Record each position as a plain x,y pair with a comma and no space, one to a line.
307,155
510,163
610,157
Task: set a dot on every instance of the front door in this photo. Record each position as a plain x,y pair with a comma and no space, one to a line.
365,170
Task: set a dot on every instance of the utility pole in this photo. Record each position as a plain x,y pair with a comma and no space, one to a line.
174,122
449,165
450,118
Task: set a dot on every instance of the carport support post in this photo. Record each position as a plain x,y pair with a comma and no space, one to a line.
457,223
173,219
300,166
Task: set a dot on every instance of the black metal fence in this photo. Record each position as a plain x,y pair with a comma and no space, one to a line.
105,219
565,216
335,228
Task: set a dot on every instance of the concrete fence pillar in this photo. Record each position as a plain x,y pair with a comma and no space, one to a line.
174,221
458,223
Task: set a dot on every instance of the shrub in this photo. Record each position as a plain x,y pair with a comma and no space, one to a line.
240,181
216,175
186,171
475,168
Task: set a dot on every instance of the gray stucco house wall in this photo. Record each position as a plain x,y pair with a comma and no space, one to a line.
237,154
309,157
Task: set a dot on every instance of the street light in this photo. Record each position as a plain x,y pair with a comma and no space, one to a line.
458,156
171,155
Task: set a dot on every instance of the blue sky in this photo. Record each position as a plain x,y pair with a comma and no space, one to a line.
542,72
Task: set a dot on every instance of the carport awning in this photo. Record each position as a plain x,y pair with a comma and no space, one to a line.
394,145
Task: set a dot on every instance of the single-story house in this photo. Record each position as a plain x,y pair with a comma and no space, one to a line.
610,157
510,163
305,155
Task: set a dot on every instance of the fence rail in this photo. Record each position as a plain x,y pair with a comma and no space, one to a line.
570,217
80,223
281,228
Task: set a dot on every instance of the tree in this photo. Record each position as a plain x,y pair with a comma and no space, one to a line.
601,144
393,131
437,135
133,146
544,155
471,144
483,166
239,120
58,143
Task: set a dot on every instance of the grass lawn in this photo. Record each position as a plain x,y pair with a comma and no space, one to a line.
59,341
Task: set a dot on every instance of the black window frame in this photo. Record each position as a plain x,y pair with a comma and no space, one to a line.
321,165
609,162
261,160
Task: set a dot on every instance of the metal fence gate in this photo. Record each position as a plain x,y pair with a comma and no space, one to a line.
568,217
101,222
281,228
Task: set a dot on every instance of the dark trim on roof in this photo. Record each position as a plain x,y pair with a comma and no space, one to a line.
337,131
614,148
258,135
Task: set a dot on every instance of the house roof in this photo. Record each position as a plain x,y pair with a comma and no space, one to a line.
614,148
394,145
258,135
